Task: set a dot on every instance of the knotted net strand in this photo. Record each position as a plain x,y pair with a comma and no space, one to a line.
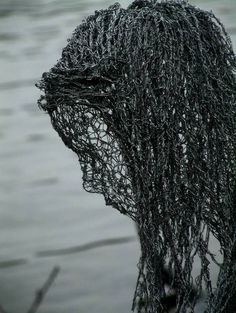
145,96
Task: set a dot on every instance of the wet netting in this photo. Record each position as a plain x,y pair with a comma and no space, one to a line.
145,96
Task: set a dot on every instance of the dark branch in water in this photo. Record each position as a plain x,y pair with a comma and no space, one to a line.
2,310
41,293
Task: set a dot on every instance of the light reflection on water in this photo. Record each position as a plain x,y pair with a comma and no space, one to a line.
42,204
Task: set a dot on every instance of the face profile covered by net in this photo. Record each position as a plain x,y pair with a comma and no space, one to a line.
145,96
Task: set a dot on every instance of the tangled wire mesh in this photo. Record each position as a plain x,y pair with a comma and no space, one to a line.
145,96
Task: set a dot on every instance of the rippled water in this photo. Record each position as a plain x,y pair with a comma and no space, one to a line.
46,218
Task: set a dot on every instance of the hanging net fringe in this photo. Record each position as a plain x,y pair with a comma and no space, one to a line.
145,96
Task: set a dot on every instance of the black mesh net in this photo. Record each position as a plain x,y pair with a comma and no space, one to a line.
145,96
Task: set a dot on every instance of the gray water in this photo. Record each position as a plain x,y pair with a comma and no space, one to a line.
42,205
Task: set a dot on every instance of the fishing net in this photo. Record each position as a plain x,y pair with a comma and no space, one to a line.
145,96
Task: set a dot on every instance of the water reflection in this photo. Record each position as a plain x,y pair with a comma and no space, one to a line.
11,263
36,137
6,111
45,181
86,247
17,84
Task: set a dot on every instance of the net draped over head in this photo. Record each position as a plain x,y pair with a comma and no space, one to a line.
145,96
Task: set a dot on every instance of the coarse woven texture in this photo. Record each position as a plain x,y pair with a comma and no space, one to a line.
145,96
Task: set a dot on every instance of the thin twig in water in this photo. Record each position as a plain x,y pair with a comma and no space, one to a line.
2,310
40,293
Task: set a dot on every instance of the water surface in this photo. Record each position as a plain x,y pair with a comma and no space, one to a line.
46,218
